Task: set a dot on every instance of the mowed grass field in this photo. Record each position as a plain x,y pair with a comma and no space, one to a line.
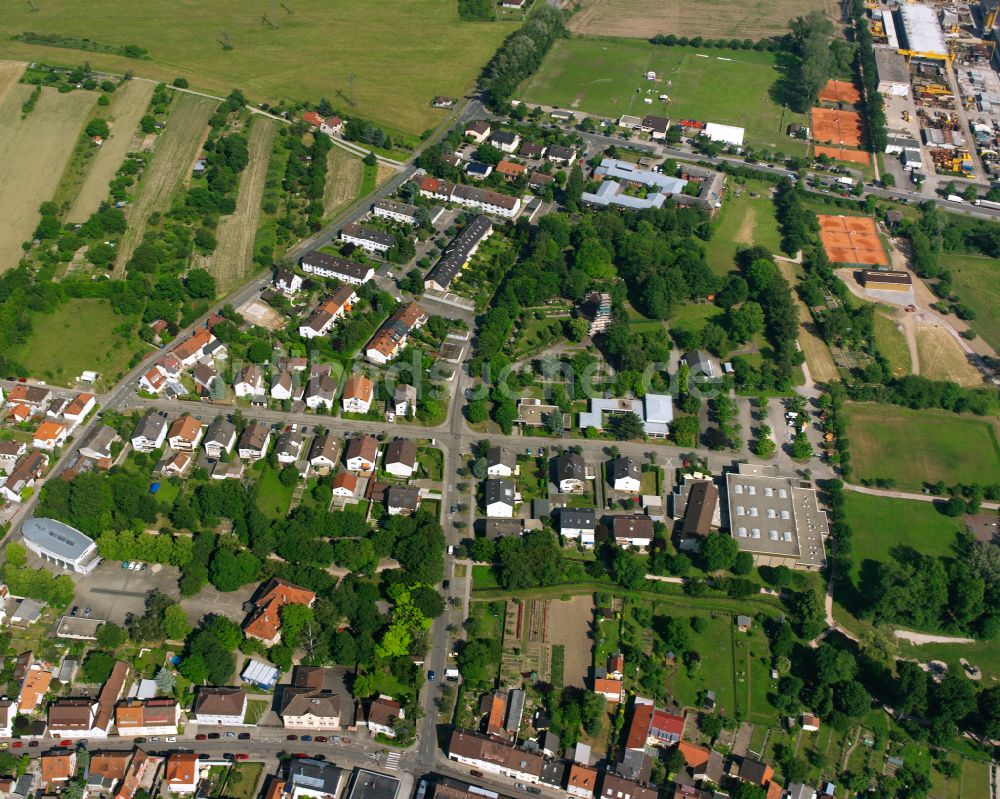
743,220
33,155
343,180
232,260
881,524
917,447
712,19
976,280
172,160
402,54
128,105
941,358
606,76
892,344
78,336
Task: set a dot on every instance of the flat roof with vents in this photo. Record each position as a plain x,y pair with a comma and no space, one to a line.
775,517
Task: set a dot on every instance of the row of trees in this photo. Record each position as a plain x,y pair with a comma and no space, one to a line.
867,72
521,54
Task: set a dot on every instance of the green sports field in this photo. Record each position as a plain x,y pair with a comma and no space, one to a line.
401,54
606,76
976,279
917,447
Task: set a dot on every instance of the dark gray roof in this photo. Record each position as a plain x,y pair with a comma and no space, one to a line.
220,431
624,467
316,775
570,466
700,363
503,137
553,773
150,426
289,443
578,518
369,234
401,450
499,490
372,785
458,251
330,263
501,455
98,441
407,497
558,152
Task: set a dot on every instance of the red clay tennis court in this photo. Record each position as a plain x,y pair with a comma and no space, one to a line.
840,91
843,154
851,240
837,127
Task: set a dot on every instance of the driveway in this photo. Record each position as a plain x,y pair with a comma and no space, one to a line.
211,600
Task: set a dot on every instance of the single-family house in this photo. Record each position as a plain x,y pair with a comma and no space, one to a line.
360,454
505,141
404,400
511,171
264,621
332,126
323,452
34,686
501,462
97,444
78,408
564,156
49,435
181,772
358,394
289,445
10,451
578,524
635,530
177,464
500,496
382,715
281,386
219,438
344,485
29,468
530,149
400,457
309,709
287,282
150,433
570,473
58,766
184,434
222,706
321,392
624,474
254,441
478,130
249,382
402,500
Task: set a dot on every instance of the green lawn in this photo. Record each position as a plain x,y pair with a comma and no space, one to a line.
640,323
917,447
483,577
742,221
399,55
694,316
606,76
892,344
78,336
255,709
715,673
243,779
431,461
273,498
977,281
881,524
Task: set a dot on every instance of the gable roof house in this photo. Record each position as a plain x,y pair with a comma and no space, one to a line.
581,781
539,180
501,462
323,452
150,433
478,130
578,523
321,391
264,621
223,705
26,471
400,457
570,473
250,381
383,712
505,141
395,211
10,451
287,282
78,408
612,690
73,718
159,716
655,126
402,500
358,394
184,434
624,474
58,766
494,756
219,438
192,349
281,386
634,530
254,441
181,773
309,708
361,453
97,443
559,154
530,149
368,239
49,435
35,397
404,400
323,265
332,126
289,445
344,485
500,496
106,770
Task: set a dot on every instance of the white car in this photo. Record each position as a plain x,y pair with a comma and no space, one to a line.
171,739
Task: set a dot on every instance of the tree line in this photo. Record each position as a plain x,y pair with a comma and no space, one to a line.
520,54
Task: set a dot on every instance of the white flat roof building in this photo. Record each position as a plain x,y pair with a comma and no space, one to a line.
60,544
922,30
726,134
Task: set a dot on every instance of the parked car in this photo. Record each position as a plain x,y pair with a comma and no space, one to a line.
229,735
201,737
520,786
18,744
214,736
171,739
320,739
75,611
242,756
67,742
475,773
244,736
533,789
125,564
430,676
32,743
87,612
291,737
204,756
306,738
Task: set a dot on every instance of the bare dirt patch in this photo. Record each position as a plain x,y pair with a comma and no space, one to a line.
262,315
233,257
33,155
383,174
172,161
127,108
719,18
745,234
569,625
343,179
942,359
10,74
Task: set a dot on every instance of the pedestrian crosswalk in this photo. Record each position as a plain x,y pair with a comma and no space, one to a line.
392,760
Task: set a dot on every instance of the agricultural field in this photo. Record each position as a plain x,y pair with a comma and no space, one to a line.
918,447
128,104
172,160
708,18
232,259
33,154
343,181
606,76
745,219
976,279
382,60
941,358
78,336
881,524
892,344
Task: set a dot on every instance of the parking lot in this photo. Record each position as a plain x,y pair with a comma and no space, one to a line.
112,593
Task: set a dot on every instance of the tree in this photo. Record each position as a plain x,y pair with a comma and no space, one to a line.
954,507
229,571
200,284
110,635
801,448
97,127
165,681
851,699
259,351
743,564
97,667
625,426
476,659
175,623
628,570
718,551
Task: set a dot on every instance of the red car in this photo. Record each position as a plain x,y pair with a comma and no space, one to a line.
17,744
201,737
301,754
67,742
242,756
320,739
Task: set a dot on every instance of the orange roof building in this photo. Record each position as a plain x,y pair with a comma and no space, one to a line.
133,776
612,689
36,683
581,781
58,767
694,756
498,709
264,622
181,772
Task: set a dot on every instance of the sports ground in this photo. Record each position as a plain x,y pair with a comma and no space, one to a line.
843,154
851,240
840,91
836,127
400,54
606,76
